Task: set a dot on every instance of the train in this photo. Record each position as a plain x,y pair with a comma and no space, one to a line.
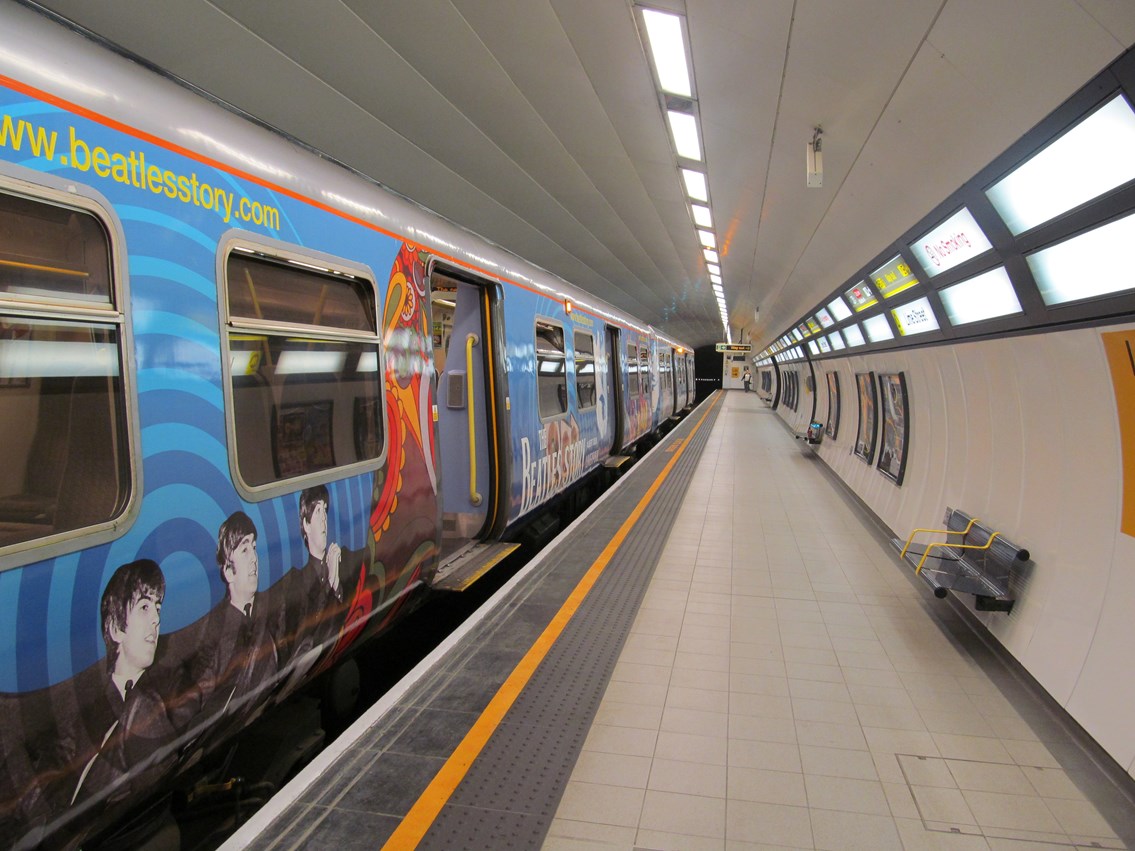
255,407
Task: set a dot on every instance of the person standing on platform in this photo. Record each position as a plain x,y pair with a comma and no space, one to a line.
747,380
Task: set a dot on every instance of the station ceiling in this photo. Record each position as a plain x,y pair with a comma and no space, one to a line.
538,123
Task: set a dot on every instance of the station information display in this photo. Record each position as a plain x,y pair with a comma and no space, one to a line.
861,297
917,317
954,241
735,348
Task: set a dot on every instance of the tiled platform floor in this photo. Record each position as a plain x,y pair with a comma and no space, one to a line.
786,685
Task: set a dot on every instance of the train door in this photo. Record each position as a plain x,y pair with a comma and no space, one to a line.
468,361
613,390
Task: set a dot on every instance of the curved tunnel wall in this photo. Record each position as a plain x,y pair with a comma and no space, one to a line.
1024,433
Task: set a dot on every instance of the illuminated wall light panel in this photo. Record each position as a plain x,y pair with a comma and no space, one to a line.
707,239
986,296
710,255
878,328
813,348
1093,264
824,345
955,241
702,215
840,310
1093,157
836,339
853,335
825,318
715,280
713,268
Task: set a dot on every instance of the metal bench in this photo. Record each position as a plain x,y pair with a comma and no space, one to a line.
973,559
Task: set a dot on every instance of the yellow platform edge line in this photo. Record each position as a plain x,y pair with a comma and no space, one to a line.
422,815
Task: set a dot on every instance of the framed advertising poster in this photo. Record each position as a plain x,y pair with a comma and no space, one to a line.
865,437
832,427
892,449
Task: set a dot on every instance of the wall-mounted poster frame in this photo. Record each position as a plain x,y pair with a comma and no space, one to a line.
832,427
892,449
793,389
865,437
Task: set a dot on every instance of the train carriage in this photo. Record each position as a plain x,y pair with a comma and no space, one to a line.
252,405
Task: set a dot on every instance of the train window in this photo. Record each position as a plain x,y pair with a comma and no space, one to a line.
644,369
63,407
666,369
302,401
551,369
295,292
584,345
52,254
634,385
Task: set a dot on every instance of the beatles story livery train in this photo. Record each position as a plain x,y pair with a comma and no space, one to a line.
252,406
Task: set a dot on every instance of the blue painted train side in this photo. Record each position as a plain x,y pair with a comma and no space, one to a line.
244,426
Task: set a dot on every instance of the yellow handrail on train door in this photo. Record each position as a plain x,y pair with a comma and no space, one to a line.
470,342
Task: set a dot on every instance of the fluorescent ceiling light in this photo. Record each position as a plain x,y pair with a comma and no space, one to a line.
715,280
668,48
301,362
684,129
702,216
23,359
368,362
713,268
696,186
710,255
707,239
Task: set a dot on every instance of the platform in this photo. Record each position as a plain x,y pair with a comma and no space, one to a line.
723,652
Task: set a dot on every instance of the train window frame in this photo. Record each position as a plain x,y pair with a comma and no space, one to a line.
634,380
583,357
551,356
109,314
366,422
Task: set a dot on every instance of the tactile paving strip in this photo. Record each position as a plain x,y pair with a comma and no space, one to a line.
510,795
